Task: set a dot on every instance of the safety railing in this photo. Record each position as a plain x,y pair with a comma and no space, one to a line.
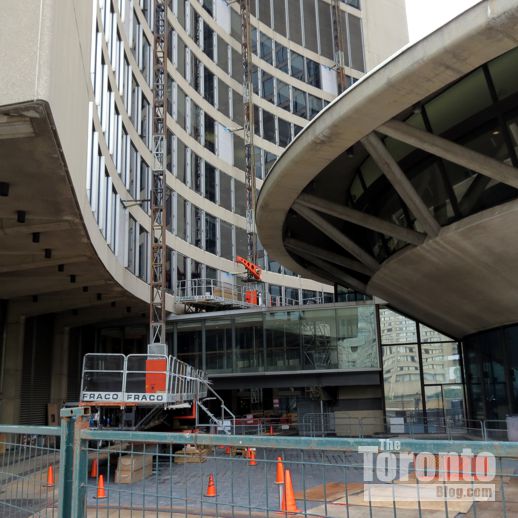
333,424
139,379
107,473
213,291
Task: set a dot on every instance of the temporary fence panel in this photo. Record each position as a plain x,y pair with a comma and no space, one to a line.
29,471
110,473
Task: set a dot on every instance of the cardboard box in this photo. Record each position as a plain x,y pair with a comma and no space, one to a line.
132,476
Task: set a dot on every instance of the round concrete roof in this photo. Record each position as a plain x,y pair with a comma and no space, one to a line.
417,72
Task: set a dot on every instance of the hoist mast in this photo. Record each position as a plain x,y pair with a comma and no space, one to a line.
248,130
157,278
339,40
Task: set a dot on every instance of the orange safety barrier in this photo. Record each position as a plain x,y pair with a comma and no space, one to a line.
101,492
95,469
279,479
211,487
289,504
50,477
252,458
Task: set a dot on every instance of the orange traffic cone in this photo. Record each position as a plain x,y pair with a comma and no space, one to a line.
101,493
50,477
95,469
252,458
211,488
271,430
289,503
279,479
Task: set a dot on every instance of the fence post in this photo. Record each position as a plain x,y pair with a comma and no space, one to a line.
66,462
80,468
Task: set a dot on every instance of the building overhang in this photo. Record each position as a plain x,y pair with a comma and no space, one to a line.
445,274
47,261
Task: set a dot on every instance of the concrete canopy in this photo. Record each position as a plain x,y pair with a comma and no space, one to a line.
47,261
462,277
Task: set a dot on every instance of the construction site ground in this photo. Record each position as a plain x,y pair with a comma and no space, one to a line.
175,490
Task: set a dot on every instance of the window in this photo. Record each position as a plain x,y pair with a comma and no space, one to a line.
226,240
299,102
210,234
297,66
210,182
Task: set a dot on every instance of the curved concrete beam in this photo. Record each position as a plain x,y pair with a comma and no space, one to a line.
362,219
451,151
338,237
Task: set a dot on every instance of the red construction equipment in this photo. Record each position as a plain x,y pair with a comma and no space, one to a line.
253,269
156,375
251,297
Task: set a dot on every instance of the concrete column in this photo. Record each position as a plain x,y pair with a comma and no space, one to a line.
12,363
59,379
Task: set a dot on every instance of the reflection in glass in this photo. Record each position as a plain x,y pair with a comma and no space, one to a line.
441,363
189,340
218,344
249,344
395,328
402,379
356,337
282,340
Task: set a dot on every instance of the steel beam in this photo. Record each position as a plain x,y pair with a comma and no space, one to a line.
451,151
401,183
328,269
301,248
362,219
336,235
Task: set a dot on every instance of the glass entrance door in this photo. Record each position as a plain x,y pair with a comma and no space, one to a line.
444,403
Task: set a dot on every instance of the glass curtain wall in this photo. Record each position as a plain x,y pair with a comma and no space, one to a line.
309,339
491,363
421,370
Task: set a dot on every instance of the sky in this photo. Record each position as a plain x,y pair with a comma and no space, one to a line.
424,16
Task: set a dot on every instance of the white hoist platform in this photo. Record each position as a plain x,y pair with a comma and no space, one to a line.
156,381
140,380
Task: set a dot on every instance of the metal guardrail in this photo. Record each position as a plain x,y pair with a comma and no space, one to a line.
332,424
116,473
212,291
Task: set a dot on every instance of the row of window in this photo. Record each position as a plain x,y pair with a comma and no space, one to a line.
113,73
310,24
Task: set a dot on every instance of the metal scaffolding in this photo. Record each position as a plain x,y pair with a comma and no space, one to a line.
338,34
157,281
248,129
